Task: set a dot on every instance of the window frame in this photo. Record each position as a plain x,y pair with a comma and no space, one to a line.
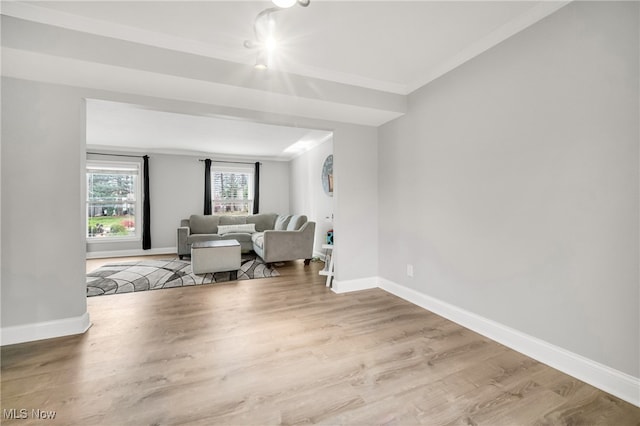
235,169
116,165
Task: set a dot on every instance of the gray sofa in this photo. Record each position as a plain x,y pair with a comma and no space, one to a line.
273,237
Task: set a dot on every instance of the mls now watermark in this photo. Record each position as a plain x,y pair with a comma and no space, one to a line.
23,414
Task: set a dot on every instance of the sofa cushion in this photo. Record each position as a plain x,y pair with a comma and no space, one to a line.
281,222
296,222
263,221
202,237
240,237
258,239
232,220
249,228
203,224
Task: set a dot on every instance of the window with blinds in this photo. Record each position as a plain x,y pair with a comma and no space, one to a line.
113,195
232,189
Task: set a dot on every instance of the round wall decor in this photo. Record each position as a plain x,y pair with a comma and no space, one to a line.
327,175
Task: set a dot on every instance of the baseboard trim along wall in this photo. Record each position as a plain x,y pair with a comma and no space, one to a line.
319,255
127,253
44,330
346,286
608,379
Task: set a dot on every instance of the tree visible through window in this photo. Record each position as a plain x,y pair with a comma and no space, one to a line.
232,191
112,199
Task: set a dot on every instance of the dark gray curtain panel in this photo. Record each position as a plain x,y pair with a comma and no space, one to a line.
207,186
146,208
256,189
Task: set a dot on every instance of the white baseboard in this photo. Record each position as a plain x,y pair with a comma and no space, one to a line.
44,330
319,255
127,253
608,379
346,286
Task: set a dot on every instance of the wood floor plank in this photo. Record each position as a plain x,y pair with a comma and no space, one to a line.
287,350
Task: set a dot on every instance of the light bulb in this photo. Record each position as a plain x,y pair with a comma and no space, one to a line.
271,44
284,3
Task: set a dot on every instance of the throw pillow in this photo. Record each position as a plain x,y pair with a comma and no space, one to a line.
245,228
282,222
296,222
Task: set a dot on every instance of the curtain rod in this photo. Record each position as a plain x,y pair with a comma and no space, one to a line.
117,155
231,162
142,156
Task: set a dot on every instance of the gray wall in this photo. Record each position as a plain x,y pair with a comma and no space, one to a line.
176,186
274,187
512,184
355,169
307,193
43,194
184,175
42,205
176,192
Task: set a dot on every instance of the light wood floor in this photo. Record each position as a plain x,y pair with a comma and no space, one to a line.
287,350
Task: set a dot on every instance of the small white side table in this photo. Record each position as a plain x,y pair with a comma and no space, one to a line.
328,264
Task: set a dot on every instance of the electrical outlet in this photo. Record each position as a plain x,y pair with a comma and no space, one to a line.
410,270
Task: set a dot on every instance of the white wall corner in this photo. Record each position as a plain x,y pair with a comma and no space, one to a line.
346,286
319,255
44,330
608,379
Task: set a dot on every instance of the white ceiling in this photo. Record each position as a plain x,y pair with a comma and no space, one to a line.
365,56
125,127
394,46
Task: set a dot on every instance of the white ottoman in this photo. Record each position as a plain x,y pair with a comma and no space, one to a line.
216,256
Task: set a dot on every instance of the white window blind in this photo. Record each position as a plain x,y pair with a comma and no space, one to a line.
113,193
232,189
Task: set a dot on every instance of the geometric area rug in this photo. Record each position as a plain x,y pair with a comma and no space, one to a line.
126,277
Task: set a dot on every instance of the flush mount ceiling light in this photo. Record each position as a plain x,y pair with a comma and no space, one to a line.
264,30
284,3
288,3
262,61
